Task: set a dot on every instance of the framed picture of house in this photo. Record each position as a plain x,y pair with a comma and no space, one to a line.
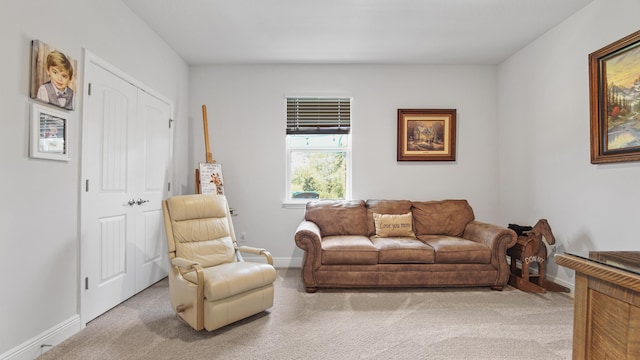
49,133
53,76
614,91
426,135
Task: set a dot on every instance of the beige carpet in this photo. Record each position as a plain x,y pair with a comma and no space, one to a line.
469,323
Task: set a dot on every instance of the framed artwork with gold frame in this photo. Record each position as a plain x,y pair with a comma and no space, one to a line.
614,94
426,135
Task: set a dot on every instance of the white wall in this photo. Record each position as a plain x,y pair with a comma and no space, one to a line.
545,169
246,113
39,245
533,108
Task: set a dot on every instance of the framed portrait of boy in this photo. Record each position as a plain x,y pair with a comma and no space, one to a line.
53,76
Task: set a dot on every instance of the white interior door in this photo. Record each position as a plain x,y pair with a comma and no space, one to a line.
126,170
152,261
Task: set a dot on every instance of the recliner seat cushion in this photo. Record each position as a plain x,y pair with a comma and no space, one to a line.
234,278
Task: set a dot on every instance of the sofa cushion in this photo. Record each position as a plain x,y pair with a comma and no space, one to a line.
338,217
388,225
402,250
454,250
394,207
348,250
446,217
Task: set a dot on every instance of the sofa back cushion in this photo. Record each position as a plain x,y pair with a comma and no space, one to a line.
390,207
338,217
445,217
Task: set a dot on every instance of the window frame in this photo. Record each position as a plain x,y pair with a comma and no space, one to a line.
288,201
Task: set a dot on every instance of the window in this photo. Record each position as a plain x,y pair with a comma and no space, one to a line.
318,149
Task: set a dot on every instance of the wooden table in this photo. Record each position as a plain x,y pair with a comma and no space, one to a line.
606,322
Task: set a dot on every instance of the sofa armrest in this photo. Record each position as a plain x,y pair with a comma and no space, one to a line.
498,239
308,238
308,235
494,236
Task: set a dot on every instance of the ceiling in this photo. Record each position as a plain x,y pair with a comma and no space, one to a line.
351,31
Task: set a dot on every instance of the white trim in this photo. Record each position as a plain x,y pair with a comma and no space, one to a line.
290,204
279,262
91,57
33,347
318,94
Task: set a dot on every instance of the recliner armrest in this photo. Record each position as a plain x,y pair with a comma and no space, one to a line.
184,263
257,251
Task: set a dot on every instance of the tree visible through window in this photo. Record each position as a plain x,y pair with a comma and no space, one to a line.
318,148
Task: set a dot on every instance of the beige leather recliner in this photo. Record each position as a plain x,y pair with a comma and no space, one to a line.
210,284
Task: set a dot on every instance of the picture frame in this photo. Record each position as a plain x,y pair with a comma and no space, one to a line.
210,178
53,76
614,100
426,135
49,130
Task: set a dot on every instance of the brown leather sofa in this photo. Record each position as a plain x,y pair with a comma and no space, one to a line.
400,243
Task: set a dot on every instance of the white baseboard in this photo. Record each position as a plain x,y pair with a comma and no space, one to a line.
41,343
571,286
279,262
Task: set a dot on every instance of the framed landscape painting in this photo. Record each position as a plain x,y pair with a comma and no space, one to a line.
614,91
426,135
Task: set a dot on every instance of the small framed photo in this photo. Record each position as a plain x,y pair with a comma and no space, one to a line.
49,133
614,92
426,135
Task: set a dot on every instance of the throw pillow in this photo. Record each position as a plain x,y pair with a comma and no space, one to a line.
393,225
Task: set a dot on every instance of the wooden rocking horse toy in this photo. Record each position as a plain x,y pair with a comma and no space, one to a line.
531,249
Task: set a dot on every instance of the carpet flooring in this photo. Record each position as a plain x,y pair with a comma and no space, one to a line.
458,323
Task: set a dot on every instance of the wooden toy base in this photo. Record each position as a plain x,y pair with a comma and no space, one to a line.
527,250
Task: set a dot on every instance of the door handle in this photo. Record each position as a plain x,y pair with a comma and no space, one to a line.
131,202
140,201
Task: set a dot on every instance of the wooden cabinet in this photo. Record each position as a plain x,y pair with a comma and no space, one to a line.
606,321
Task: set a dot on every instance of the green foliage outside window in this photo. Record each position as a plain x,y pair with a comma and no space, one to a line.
321,172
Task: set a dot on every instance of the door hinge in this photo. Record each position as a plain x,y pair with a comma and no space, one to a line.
170,121
168,186
86,283
86,185
89,90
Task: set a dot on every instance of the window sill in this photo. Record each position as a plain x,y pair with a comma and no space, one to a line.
294,204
